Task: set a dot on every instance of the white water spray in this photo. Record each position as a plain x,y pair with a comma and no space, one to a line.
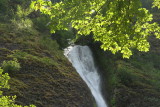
82,59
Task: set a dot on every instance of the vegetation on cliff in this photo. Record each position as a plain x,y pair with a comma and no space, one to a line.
45,77
7,101
130,83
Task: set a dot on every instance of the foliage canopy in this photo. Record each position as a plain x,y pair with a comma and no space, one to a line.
156,3
119,25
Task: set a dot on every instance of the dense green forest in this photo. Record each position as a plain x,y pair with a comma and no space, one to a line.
34,71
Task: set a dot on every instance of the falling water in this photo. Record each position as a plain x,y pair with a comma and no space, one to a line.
82,59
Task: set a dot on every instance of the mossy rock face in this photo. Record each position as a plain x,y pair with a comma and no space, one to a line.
133,82
47,86
46,77
135,87
4,53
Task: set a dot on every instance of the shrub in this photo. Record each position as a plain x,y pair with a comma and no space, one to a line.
125,76
41,22
62,37
22,24
3,80
11,66
21,21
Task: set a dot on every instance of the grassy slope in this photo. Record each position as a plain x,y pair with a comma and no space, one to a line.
46,78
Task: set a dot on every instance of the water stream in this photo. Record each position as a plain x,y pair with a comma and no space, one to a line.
82,59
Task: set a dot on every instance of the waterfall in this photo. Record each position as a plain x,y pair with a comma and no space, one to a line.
82,60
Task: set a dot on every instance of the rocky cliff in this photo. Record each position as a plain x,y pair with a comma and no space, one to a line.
46,77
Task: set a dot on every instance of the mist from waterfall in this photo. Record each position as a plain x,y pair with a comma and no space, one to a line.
82,60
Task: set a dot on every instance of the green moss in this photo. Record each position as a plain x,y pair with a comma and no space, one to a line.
24,55
4,53
17,83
